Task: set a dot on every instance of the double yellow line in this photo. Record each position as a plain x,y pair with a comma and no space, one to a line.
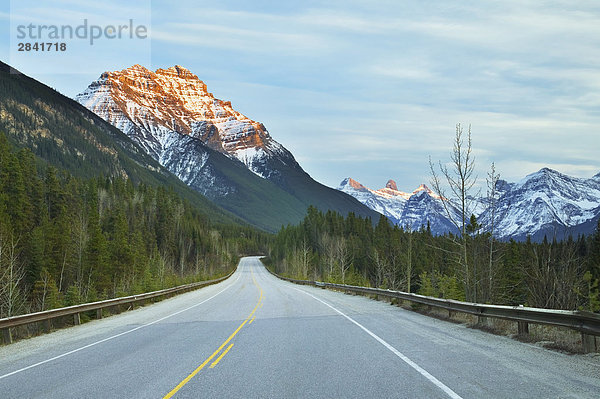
248,320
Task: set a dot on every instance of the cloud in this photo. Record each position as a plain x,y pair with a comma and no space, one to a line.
371,89
401,72
239,39
73,11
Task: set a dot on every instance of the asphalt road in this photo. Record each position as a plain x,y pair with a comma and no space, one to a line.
255,336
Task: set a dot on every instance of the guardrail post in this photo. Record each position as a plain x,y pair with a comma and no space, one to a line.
588,343
451,313
7,336
522,328
47,325
98,313
76,319
482,320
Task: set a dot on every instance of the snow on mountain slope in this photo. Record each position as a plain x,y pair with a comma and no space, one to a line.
151,106
543,203
409,210
547,201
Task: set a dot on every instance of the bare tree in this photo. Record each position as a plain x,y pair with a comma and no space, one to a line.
344,257
391,272
492,194
215,238
381,267
328,245
62,268
12,273
161,268
45,292
305,258
457,201
45,282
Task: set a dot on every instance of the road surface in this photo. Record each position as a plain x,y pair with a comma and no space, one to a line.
255,336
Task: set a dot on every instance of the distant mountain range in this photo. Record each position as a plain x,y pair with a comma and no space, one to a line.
545,203
412,210
216,150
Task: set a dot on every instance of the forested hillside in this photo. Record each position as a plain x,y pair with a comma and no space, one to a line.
551,274
65,134
67,240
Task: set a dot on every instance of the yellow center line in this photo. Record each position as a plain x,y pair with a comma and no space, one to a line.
221,357
215,353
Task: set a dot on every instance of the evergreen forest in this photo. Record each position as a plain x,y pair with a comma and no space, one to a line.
352,250
66,240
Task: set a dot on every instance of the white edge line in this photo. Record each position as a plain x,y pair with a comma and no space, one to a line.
117,335
395,351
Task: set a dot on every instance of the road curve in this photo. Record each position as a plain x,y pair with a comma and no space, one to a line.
255,336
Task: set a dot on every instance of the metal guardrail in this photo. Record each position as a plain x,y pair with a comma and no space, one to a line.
6,324
587,323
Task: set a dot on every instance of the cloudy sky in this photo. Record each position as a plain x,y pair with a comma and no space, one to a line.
368,89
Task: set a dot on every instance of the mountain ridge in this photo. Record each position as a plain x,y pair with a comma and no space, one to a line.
544,203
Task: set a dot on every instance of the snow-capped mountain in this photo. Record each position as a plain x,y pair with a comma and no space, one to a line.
548,203
162,110
205,142
409,210
545,203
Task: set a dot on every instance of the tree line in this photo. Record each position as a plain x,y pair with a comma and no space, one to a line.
66,240
353,250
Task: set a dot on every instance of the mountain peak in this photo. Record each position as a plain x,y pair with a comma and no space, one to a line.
548,171
391,185
175,100
352,183
136,68
422,187
545,174
177,71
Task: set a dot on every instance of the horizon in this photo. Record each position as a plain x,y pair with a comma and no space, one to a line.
347,87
